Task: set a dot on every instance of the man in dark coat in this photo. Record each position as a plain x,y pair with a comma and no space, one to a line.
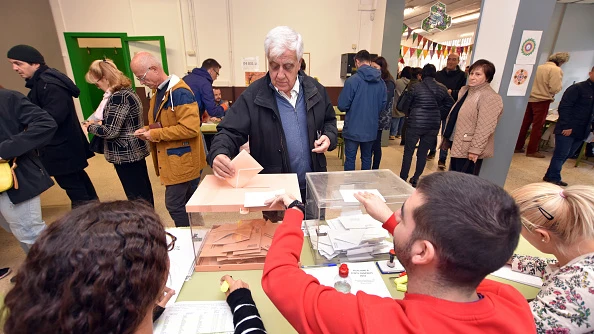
200,81
429,100
65,154
576,115
287,115
453,78
24,128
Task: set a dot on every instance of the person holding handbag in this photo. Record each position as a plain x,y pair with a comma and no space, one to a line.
20,206
427,101
385,118
470,127
121,115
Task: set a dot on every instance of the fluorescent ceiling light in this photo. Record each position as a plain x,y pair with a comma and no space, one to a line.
466,18
409,10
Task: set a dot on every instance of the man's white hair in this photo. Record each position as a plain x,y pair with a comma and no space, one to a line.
280,39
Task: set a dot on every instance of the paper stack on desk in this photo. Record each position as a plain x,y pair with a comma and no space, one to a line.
359,237
244,242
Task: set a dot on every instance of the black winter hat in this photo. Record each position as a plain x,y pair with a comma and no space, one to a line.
25,53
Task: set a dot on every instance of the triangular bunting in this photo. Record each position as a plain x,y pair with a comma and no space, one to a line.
409,32
414,37
445,52
412,51
419,51
404,28
470,48
405,50
466,49
431,53
425,52
439,47
420,40
459,50
438,53
449,48
424,43
401,61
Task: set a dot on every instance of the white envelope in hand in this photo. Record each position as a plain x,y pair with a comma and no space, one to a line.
246,167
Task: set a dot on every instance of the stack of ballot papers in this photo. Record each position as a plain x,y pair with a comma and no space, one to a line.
358,237
247,241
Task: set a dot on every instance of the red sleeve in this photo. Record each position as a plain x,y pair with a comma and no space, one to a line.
308,306
390,224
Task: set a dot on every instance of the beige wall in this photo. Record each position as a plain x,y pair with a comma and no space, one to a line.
31,23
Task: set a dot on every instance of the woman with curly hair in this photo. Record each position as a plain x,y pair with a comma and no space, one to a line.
560,222
99,269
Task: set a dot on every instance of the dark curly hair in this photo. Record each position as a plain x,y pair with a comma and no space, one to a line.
99,269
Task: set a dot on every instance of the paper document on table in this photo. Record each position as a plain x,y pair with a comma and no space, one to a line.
246,167
348,195
195,318
364,275
257,199
181,258
507,273
359,222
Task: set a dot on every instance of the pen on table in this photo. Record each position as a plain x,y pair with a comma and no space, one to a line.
321,265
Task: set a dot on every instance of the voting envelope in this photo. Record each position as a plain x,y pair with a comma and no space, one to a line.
246,167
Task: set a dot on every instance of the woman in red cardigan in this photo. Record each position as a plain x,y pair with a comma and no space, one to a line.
454,230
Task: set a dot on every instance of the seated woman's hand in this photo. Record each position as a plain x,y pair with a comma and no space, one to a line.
233,284
167,294
285,199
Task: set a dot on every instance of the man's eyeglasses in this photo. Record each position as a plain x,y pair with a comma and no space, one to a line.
144,76
171,239
217,72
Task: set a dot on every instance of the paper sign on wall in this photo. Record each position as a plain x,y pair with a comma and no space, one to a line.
529,47
250,64
519,80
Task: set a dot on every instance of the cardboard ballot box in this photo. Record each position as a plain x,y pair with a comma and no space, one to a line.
228,229
338,227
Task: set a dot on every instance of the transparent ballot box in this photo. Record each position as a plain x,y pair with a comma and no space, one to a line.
229,231
338,227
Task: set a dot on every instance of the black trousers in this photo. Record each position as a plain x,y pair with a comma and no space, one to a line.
78,187
176,197
135,180
426,140
376,151
464,165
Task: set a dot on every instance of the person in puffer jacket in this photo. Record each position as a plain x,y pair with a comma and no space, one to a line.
429,100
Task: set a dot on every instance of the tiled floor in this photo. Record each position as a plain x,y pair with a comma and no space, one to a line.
55,202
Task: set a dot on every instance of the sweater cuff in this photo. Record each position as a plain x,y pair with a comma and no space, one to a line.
238,297
390,224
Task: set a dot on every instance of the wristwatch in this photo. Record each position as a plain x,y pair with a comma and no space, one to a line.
298,205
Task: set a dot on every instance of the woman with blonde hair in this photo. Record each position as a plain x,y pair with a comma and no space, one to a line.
120,114
560,222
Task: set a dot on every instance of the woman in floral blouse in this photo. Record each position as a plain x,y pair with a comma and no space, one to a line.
560,222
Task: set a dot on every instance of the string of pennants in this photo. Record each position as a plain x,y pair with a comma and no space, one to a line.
432,49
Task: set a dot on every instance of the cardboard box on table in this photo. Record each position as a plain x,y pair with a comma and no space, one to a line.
250,235
339,229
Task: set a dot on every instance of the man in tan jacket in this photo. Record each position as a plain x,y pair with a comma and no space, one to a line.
548,82
173,133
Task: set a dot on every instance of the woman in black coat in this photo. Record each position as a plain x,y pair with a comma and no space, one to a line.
385,118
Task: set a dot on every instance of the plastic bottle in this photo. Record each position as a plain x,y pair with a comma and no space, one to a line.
342,282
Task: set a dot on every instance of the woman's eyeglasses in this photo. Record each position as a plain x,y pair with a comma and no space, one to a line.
171,239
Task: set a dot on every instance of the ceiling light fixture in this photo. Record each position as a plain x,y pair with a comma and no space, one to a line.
466,18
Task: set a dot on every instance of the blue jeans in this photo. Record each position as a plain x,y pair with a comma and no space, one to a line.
396,126
23,220
350,152
565,146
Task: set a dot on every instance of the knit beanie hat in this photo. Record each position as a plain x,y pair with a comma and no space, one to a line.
25,53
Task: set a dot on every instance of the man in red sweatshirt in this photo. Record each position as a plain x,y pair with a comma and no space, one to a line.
452,232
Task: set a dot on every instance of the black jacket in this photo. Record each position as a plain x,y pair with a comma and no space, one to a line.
19,114
429,101
67,152
576,110
453,80
255,114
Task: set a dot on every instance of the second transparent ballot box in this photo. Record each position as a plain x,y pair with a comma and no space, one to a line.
339,229
229,231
